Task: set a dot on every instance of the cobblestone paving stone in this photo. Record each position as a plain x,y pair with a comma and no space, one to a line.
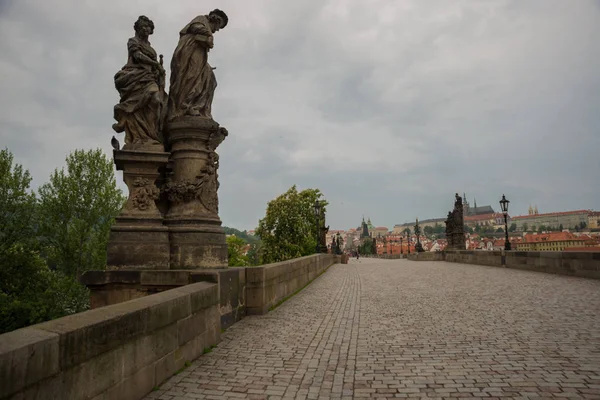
404,329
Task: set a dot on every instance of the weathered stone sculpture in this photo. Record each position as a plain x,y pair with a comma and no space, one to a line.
141,85
196,237
323,230
138,239
455,231
170,165
418,247
193,81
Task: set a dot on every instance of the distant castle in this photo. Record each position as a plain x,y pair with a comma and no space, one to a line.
469,211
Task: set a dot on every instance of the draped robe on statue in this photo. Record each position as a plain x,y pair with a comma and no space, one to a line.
138,84
193,81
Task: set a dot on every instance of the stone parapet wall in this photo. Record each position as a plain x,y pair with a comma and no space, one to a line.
269,284
426,256
385,256
582,264
115,352
112,287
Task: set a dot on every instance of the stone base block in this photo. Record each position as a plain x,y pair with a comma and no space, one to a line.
113,287
143,247
198,247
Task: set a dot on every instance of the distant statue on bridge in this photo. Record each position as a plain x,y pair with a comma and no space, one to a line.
455,226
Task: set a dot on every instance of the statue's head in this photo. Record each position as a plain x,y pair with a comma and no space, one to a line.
218,19
144,26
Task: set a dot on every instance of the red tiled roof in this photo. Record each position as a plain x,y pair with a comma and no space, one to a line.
483,217
551,237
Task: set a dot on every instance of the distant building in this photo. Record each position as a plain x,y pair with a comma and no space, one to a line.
594,220
555,241
472,211
568,219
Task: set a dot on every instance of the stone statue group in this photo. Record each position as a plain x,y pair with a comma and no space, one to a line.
169,160
145,107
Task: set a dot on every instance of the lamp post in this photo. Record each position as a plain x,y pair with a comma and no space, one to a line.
407,241
317,211
338,243
504,206
401,251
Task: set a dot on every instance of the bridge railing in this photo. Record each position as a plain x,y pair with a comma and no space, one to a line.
121,351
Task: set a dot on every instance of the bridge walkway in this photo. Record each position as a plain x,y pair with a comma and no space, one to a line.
397,328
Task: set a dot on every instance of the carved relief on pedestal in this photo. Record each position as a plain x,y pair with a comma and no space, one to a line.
203,188
144,193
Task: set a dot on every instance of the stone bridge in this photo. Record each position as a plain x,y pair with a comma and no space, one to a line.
398,328
373,328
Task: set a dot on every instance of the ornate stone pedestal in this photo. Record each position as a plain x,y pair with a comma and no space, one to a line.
196,237
138,239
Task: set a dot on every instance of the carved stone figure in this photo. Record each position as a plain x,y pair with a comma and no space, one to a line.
323,237
455,233
193,81
141,86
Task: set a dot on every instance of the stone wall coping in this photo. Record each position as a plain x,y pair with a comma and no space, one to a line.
34,353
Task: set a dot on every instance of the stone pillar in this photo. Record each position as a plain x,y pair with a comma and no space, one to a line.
196,237
138,239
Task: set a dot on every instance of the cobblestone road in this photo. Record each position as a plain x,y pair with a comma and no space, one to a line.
398,328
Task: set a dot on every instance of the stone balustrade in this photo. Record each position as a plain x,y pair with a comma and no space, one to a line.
270,284
121,351
582,264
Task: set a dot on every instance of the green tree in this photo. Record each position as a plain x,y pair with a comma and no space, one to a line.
77,208
525,227
241,234
500,230
512,227
367,247
235,251
289,229
560,227
254,254
31,293
17,204
428,230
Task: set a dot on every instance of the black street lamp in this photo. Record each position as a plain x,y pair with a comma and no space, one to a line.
407,241
401,252
504,206
317,211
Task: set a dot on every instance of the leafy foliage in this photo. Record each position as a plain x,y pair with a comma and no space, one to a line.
289,228
77,208
17,203
35,284
235,251
241,234
367,246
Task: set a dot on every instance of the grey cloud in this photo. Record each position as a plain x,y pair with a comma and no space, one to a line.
388,108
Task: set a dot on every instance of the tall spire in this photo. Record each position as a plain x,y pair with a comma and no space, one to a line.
474,202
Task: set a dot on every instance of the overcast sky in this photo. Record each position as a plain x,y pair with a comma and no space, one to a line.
388,107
